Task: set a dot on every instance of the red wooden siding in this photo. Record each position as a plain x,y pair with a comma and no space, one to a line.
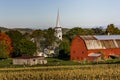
80,48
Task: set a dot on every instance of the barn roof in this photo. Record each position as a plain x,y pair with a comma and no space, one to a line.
102,41
101,37
107,37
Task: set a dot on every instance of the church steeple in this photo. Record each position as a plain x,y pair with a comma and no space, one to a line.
58,20
58,28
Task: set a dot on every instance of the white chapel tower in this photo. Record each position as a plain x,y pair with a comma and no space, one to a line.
58,28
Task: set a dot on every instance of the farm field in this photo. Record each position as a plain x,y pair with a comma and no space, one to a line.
76,72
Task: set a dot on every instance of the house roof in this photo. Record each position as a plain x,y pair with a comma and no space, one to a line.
102,41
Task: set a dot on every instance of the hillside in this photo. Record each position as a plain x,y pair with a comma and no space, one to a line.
22,30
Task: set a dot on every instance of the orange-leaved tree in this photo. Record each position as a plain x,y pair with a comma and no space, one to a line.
6,39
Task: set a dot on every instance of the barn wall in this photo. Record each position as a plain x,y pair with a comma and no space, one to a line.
106,52
78,50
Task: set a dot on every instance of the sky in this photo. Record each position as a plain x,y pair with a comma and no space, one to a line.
73,13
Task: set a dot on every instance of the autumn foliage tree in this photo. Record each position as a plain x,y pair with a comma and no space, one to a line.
7,41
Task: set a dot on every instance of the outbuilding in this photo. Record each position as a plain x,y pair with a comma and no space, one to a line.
29,60
95,47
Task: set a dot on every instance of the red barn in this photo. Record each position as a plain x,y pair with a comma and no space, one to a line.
95,47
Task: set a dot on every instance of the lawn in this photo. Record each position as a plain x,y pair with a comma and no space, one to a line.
7,63
51,62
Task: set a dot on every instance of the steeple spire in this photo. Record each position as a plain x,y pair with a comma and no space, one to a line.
58,20
58,28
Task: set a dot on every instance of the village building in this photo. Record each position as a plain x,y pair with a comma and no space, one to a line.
58,28
29,60
92,48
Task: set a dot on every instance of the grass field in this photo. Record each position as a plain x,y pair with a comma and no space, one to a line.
55,62
76,72
51,62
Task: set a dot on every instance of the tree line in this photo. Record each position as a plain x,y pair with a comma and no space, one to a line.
13,43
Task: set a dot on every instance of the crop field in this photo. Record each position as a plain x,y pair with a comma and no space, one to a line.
81,72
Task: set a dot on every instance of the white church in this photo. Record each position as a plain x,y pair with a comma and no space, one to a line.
58,28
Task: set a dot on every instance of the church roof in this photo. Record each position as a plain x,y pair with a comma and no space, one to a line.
58,20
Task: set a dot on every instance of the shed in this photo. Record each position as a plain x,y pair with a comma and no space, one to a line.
82,47
29,60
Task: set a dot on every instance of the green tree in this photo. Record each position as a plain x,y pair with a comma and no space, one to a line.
3,50
37,34
98,31
88,31
16,37
73,32
111,29
49,37
26,47
64,50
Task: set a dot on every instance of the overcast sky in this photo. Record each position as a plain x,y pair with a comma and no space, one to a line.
43,13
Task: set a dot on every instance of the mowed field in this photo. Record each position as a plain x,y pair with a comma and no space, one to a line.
76,72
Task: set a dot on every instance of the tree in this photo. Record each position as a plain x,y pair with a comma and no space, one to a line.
38,36
16,37
98,31
3,50
27,47
73,32
111,29
49,37
64,50
88,31
7,41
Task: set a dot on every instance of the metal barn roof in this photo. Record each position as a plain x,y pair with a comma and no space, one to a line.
102,41
88,37
101,37
107,37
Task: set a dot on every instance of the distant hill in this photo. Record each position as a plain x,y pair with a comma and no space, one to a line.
22,30
4,29
28,30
